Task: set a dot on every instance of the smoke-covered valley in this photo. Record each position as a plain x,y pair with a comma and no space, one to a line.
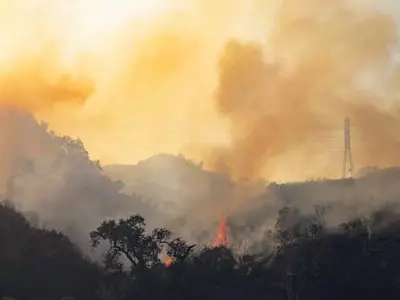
52,180
235,102
194,199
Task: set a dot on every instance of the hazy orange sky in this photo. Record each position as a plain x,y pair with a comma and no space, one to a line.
132,78
149,67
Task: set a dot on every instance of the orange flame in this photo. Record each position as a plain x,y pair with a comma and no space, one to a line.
168,261
221,239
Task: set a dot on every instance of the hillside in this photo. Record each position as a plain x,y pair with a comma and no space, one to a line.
52,180
189,200
164,178
41,264
332,201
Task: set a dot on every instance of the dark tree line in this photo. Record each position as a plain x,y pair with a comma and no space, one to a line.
358,260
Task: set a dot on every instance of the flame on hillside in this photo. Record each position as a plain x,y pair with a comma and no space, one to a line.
168,261
221,240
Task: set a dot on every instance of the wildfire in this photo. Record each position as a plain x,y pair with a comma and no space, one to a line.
168,261
221,239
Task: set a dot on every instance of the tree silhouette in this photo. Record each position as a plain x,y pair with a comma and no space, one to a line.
128,237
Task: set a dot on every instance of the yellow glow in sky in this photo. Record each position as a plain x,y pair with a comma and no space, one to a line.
133,78
147,69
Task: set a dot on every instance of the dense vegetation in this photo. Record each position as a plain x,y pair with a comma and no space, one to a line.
358,260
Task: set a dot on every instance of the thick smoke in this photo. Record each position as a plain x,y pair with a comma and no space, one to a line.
37,86
52,177
323,61
319,62
290,71
329,202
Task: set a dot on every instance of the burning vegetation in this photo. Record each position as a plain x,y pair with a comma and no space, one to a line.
324,59
168,261
221,239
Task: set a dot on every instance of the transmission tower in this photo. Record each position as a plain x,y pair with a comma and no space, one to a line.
348,167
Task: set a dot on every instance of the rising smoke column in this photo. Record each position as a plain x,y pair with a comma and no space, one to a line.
265,111
323,60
